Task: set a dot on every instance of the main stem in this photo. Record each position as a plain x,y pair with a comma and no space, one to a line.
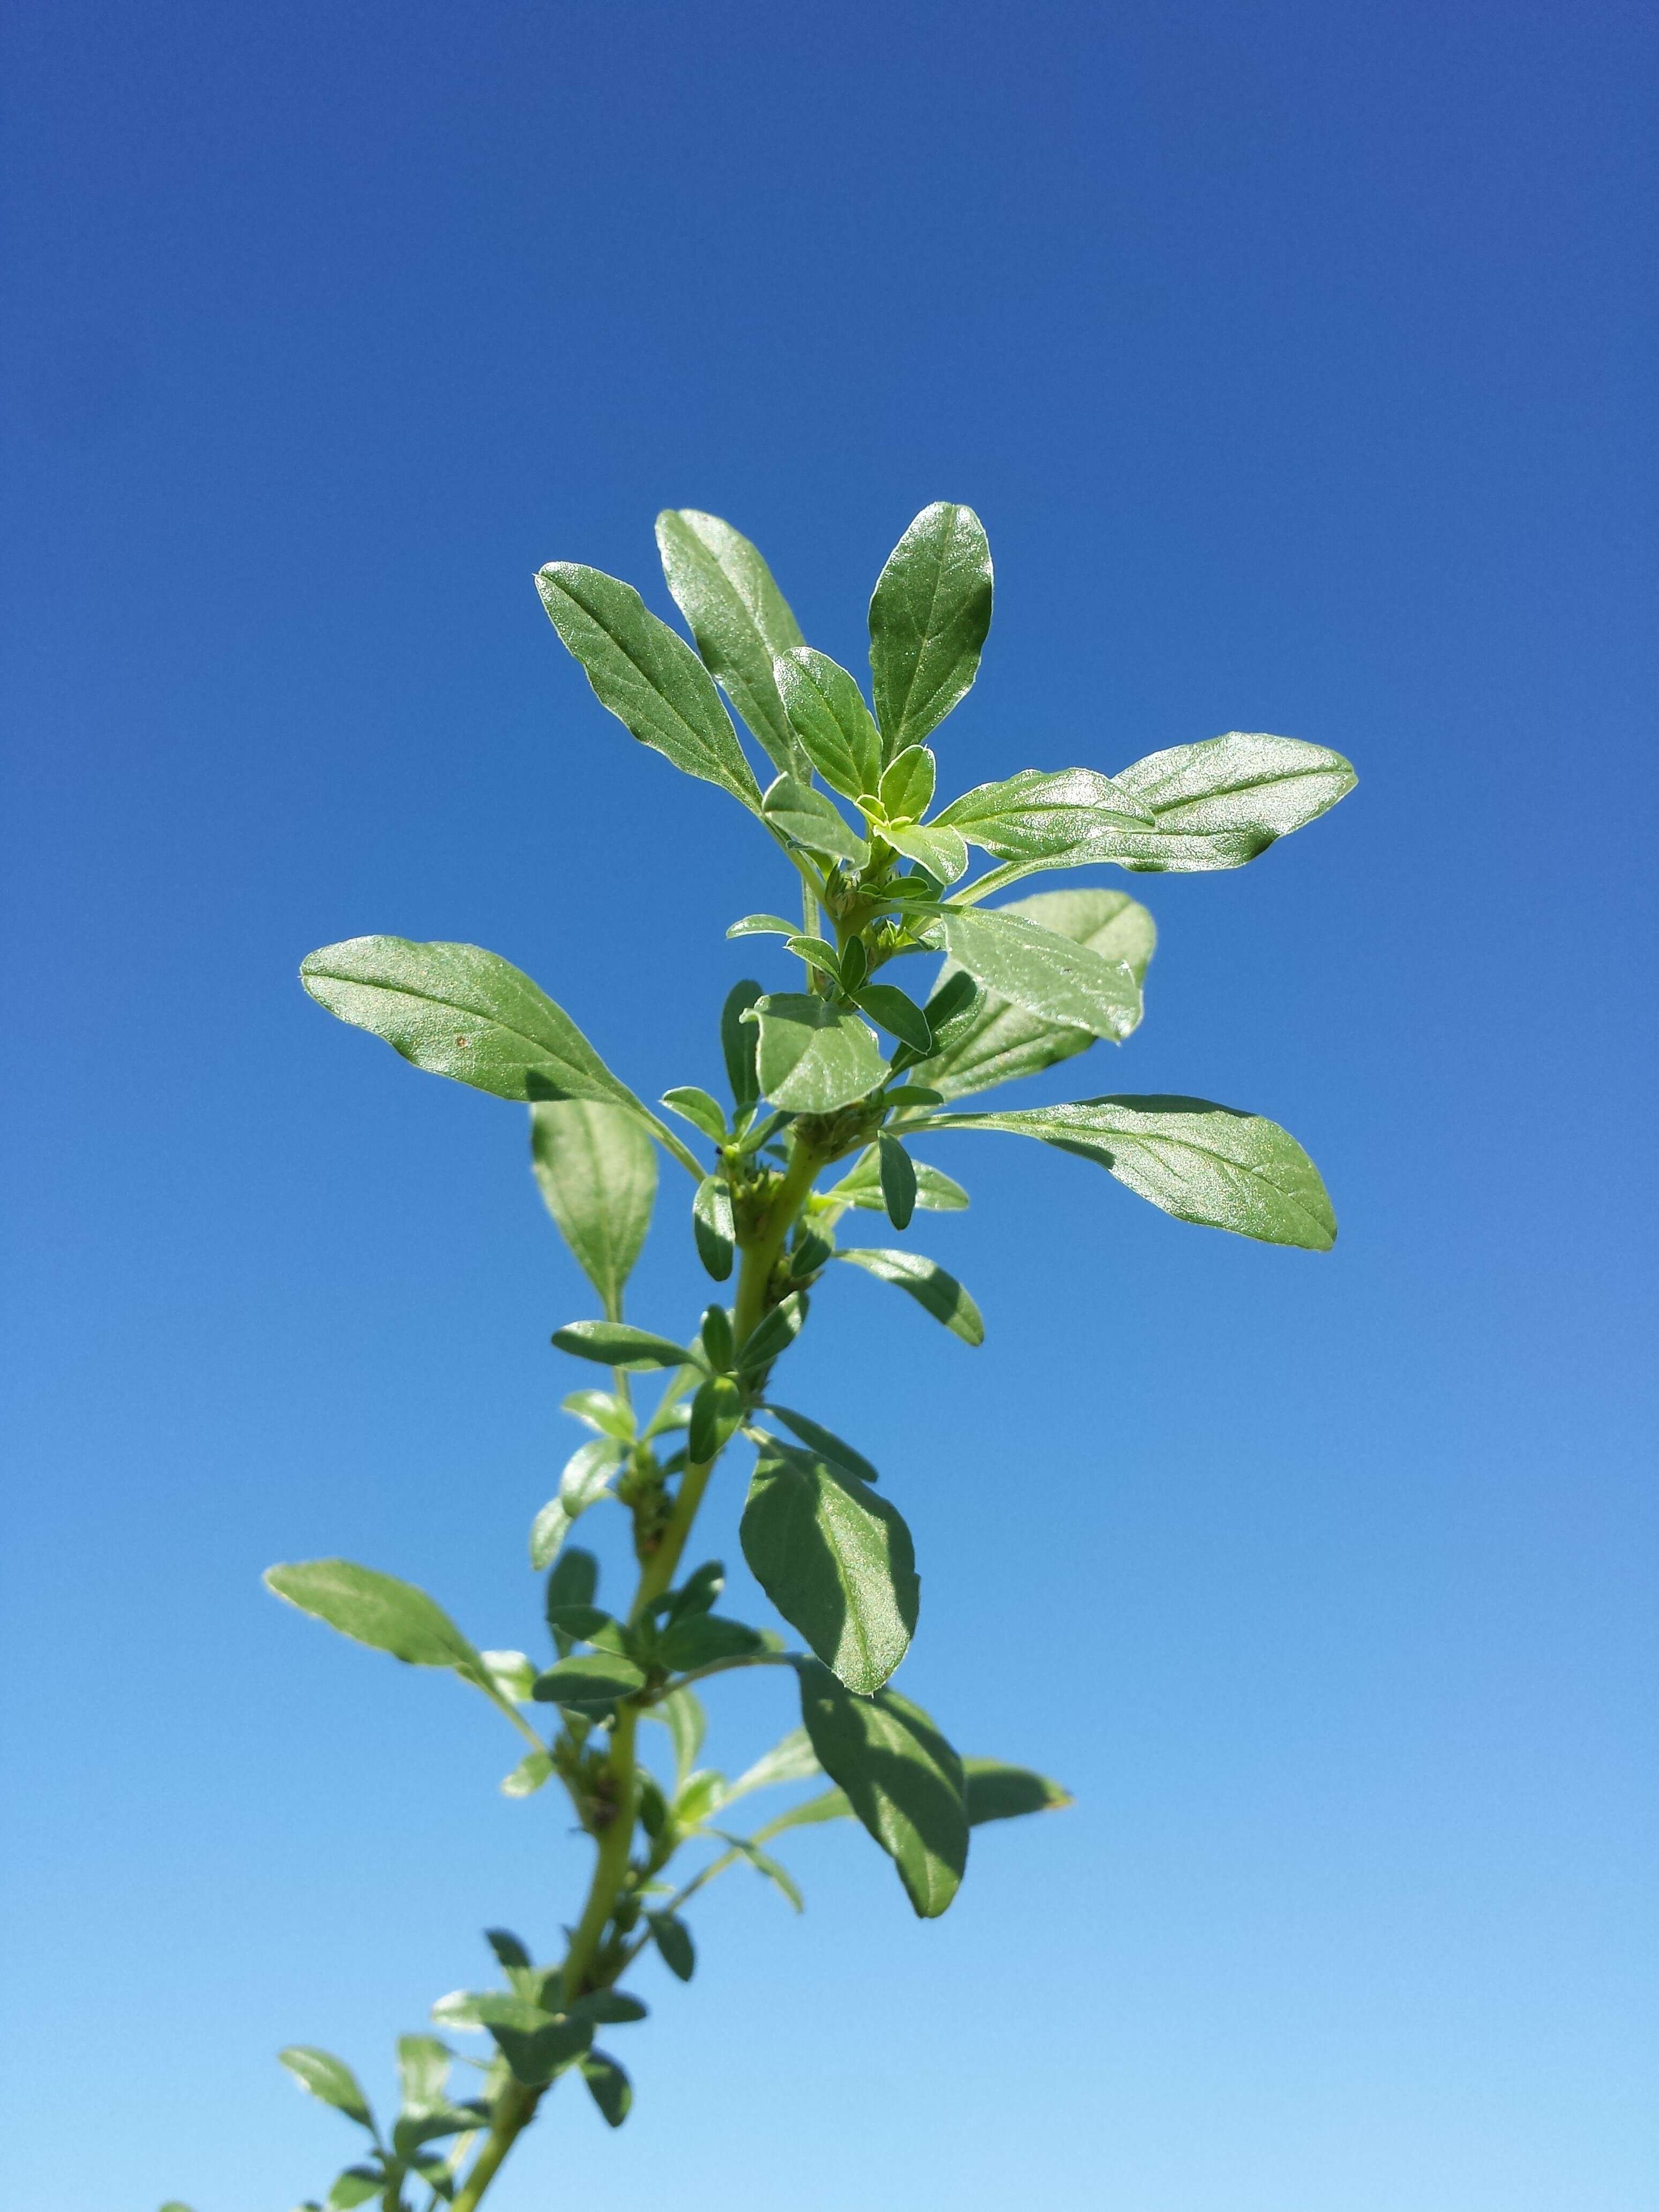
515,2107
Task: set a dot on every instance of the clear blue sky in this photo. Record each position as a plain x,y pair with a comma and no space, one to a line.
1301,362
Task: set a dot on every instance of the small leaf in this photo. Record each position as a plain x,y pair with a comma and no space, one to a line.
531,1772
681,1712
996,1792
738,1042
1202,1162
610,2008
738,616
904,1781
811,1812
818,953
940,851
603,1410
650,679
715,1337
589,1682
614,1344
512,1953
696,1107
829,719
377,1610
773,1333
329,2079
704,1639
424,2065
534,2045
573,1580
825,1442
807,818
897,1012
763,1864
836,1560
597,1170
612,2091
935,1193
906,784
716,1417
763,925
511,1673
673,1940
815,1057
698,1592
793,1759
898,1180
1037,968
356,2185
712,1226
941,1294
928,619
587,1475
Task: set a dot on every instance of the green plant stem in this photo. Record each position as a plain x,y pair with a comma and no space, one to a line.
517,2102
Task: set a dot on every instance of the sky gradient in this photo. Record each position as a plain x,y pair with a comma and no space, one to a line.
1300,363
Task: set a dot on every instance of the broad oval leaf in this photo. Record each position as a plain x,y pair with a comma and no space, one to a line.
1246,786
1202,1162
897,1013
995,1792
330,2079
694,1104
1047,974
596,1172
927,1283
650,679
377,1610
1037,814
836,1560
902,1778
815,1057
995,1040
906,790
803,816
928,619
828,714
456,1009
738,616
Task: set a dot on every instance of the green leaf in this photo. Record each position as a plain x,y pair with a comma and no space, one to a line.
828,714
329,2079
601,1410
704,1639
836,1560
825,1442
993,1040
456,1009
897,1012
716,1417
996,1792
712,1226
609,2009
596,1172
898,1180
533,1771
613,2091
935,1193
906,790
696,1107
356,2185
534,2044
1236,792
763,1864
811,1812
815,1057
377,1610
424,2065
928,619
793,1759
738,616
587,1475
614,1344
904,1781
738,1042
681,1712
941,1294
1202,1162
773,1333
650,679
572,1582
673,1940
1047,974
941,852
511,1673
589,1681
818,953
807,818
763,925
1057,818
715,1336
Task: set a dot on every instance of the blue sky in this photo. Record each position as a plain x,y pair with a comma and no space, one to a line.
1300,363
